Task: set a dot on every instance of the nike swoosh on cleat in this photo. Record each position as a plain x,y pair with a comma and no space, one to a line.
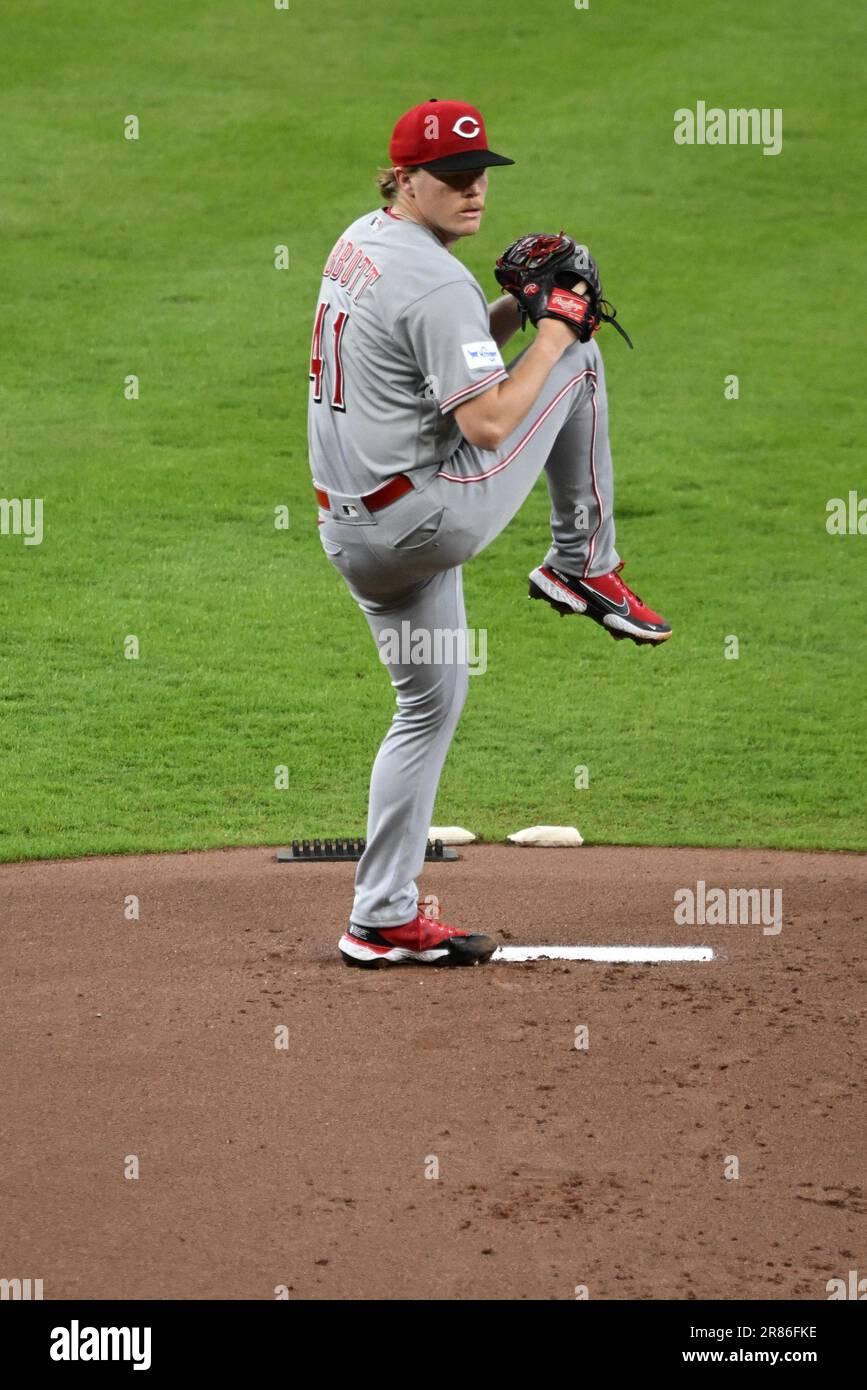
622,608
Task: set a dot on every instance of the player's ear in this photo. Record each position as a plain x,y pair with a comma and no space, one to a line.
403,179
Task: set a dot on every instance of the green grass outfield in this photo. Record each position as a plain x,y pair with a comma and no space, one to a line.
155,257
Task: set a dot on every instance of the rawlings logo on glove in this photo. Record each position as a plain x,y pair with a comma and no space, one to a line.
575,309
541,272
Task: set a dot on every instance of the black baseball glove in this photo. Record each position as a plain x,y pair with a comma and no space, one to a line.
540,271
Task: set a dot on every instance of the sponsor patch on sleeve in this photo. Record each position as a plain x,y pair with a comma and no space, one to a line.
482,356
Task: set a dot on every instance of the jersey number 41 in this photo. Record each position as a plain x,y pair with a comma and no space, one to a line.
317,362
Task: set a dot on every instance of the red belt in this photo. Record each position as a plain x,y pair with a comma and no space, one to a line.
373,501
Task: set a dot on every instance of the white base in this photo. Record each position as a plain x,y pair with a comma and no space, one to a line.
451,834
547,836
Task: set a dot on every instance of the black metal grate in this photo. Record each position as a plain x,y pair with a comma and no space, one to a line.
317,851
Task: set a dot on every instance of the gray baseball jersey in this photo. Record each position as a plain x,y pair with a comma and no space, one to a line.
401,336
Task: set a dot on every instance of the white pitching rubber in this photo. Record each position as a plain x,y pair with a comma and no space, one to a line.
608,955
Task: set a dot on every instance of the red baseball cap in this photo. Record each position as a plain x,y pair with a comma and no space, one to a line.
447,135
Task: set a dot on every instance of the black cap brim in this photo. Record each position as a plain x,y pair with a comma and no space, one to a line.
466,159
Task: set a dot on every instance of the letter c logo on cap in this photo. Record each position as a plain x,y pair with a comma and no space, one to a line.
466,134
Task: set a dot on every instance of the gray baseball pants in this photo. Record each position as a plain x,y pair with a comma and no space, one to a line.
403,567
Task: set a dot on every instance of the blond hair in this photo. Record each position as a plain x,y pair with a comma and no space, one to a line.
387,183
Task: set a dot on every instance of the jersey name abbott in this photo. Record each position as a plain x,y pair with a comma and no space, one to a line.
388,368
346,269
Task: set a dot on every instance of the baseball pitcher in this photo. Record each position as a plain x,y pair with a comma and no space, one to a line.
423,446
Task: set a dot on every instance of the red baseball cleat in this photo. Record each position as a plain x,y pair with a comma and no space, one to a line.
422,940
604,598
